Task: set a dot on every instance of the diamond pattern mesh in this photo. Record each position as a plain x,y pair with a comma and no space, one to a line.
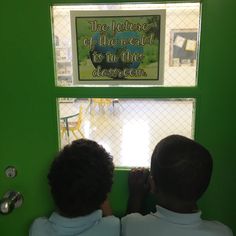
128,128
182,23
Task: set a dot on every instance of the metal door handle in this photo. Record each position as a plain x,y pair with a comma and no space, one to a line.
10,201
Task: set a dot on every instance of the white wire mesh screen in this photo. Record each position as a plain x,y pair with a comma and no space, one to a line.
181,40
128,128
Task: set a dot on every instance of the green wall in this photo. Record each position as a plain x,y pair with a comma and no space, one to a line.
28,129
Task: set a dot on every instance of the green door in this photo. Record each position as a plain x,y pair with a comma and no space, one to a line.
28,121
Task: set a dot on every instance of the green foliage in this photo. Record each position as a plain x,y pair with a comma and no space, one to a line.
151,54
83,51
154,22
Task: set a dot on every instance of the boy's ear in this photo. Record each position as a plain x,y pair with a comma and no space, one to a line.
153,185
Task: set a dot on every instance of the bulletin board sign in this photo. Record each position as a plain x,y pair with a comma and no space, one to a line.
183,47
118,47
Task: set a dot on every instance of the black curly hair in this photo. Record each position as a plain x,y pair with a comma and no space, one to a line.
80,178
181,168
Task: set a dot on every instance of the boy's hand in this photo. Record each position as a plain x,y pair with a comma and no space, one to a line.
139,187
139,182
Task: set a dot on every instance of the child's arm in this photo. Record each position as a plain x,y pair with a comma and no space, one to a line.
138,189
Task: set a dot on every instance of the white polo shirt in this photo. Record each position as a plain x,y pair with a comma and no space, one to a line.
90,225
168,223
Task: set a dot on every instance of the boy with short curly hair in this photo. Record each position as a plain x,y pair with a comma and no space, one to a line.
80,178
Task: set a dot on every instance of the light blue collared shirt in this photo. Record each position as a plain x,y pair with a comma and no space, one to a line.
89,225
168,223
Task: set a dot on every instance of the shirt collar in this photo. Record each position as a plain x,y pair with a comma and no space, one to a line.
74,225
177,218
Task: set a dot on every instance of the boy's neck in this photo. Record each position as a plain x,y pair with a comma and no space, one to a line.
176,205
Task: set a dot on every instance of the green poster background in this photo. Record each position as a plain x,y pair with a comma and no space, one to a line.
129,47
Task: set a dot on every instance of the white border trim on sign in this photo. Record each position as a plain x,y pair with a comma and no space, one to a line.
74,14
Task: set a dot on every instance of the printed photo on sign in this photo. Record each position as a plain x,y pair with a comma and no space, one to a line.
125,49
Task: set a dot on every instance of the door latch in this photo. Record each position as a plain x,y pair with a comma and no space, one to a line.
10,201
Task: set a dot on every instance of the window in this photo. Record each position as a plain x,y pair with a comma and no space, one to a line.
127,126
180,42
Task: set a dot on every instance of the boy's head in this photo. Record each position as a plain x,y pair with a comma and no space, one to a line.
181,168
80,178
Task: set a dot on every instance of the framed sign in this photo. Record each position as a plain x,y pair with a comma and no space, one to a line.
183,47
118,47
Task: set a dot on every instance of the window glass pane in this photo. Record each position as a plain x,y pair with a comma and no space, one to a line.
128,128
180,49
